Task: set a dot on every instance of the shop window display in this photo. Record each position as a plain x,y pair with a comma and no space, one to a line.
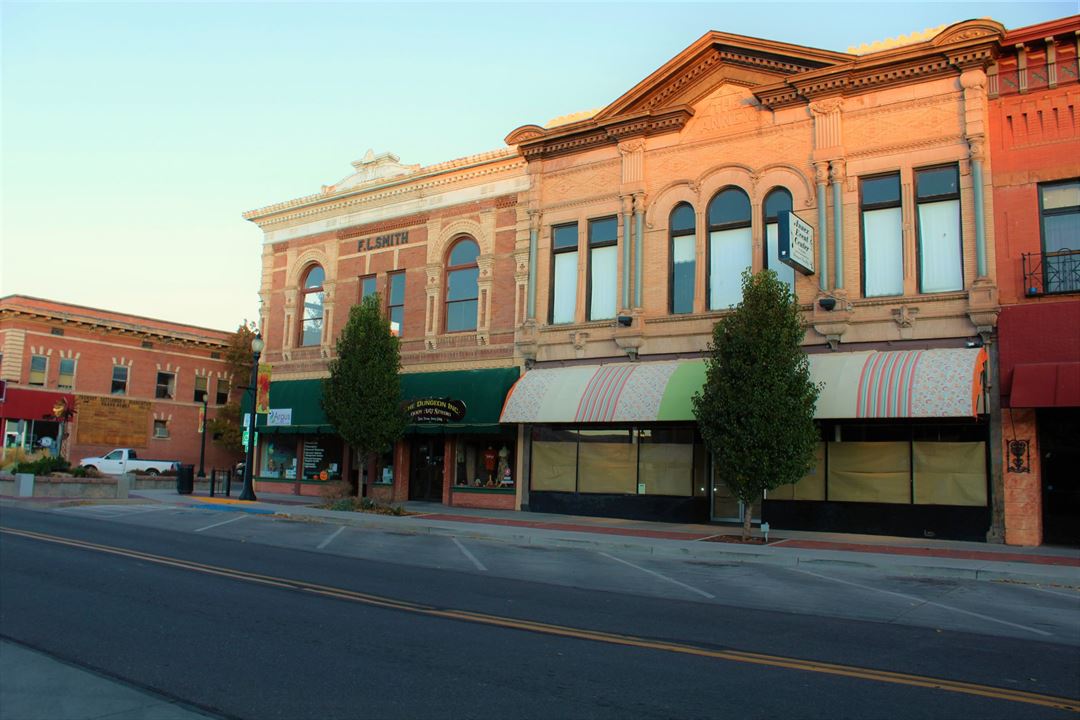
322,458
484,462
278,459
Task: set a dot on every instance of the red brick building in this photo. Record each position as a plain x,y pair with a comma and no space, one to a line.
437,244
1035,146
131,382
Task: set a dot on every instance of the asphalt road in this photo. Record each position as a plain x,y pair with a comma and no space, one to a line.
252,617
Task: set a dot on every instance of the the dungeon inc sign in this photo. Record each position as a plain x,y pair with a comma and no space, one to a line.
435,410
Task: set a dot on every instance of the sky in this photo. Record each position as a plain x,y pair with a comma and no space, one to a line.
134,135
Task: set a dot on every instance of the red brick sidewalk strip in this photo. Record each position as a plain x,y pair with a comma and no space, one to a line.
935,552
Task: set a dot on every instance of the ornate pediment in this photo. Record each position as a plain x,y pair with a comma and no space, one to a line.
372,168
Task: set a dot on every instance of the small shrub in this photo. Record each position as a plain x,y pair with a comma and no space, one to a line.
44,465
80,472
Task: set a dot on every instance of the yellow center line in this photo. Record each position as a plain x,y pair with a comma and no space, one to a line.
886,676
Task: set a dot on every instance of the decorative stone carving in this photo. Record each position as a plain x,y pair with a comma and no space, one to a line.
579,338
983,307
838,170
905,318
821,172
977,145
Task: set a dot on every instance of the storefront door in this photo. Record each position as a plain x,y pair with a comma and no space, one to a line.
426,468
1058,433
725,507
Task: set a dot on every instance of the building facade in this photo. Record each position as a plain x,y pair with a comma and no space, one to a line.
644,214
1035,143
83,381
437,244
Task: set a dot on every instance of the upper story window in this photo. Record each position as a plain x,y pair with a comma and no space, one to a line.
462,274
119,380
395,305
1059,205
564,257
777,201
311,325
39,365
202,388
166,386
603,267
367,286
66,379
222,391
730,246
882,236
937,197
683,259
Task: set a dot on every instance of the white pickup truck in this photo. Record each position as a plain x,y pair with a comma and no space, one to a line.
124,460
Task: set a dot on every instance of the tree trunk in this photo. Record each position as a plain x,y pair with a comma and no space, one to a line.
747,518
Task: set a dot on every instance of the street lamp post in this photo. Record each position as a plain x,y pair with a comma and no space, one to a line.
248,493
202,430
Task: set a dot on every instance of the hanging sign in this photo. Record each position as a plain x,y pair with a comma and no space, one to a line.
795,241
435,410
262,390
278,417
202,418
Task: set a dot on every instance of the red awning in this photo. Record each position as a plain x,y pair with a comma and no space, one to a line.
27,404
1038,385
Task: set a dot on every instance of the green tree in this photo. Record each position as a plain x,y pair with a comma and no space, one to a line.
226,428
362,396
756,409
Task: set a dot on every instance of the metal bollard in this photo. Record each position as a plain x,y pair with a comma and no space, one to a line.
228,482
213,477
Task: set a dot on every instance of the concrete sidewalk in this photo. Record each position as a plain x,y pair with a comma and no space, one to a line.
905,556
36,686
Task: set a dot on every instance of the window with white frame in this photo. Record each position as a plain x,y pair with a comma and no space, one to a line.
119,380
937,199
603,267
311,325
222,391
730,246
166,386
395,303
66,378
39,366
777,201
161,429
202,388
882,236
683,259
462,289
1059,205
564,261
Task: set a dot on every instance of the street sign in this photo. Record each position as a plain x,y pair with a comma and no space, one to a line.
795,241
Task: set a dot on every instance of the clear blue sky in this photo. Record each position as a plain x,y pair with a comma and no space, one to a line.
134,135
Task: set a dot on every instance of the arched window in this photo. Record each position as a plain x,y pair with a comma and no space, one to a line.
777,200
462,272
311,325
730,246
683,253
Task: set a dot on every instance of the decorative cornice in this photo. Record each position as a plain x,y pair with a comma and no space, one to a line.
593,133
133,330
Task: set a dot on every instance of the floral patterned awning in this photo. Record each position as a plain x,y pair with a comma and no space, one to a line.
893,384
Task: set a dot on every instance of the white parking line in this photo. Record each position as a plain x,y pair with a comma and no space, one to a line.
479,565
224,522
1073,596
662,577
330,539
927,602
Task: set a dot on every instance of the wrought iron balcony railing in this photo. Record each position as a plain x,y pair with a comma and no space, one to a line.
1051,272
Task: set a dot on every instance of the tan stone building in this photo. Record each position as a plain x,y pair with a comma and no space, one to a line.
643,215
437,244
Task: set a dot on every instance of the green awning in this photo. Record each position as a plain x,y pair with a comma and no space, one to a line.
302,398
482,391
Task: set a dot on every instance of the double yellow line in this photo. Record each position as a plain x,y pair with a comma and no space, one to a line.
896,678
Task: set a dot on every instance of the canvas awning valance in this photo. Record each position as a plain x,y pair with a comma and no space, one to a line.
303,400
900,384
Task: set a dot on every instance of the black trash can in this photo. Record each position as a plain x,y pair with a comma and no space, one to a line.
185,479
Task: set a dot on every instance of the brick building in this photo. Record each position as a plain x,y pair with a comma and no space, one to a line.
438,245
643,216
114,379
1035,144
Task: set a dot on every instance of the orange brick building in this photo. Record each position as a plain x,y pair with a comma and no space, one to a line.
643,215
1035,144
438,245
131,381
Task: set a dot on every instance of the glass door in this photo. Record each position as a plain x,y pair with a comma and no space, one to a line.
723,506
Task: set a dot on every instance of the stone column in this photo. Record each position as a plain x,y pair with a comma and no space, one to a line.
837,174
486,265
639,231
821,178
534,238
626,213
432,313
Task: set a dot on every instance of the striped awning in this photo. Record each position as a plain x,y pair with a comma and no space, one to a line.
892,384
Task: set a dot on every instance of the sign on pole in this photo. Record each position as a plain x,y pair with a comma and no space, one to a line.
795,241
262,390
